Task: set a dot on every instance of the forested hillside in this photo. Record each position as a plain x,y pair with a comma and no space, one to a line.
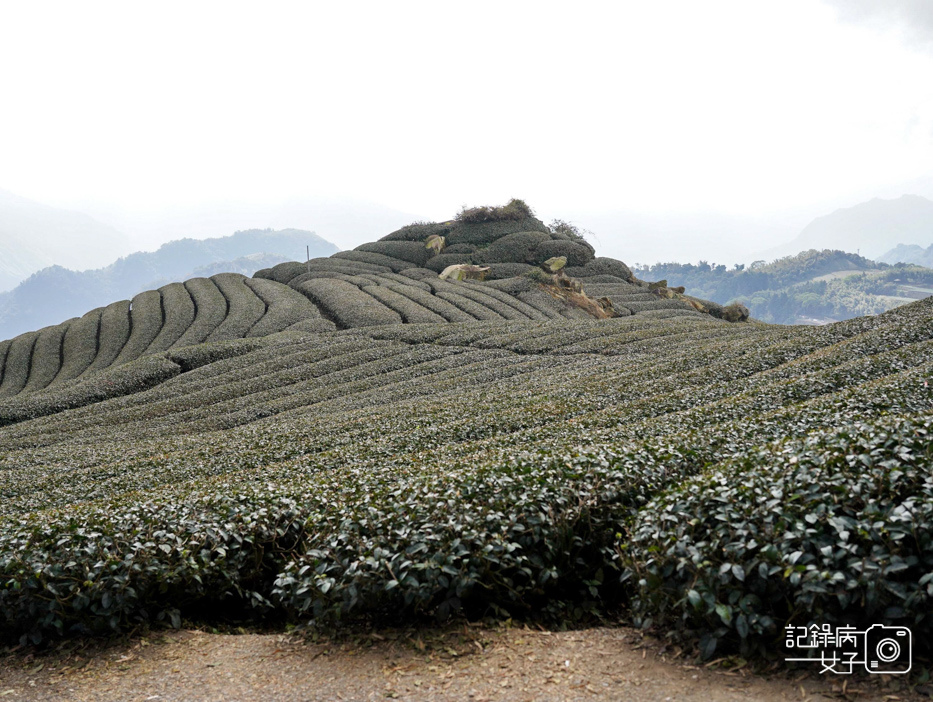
813,286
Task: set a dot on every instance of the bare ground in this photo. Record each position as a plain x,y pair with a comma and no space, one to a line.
467,663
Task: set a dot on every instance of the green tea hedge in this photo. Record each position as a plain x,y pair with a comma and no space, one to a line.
18,363
46,359
114,331
834,529
178,314
243,307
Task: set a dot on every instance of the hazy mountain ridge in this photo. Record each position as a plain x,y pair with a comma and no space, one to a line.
869,228
56,293
909,253
34,236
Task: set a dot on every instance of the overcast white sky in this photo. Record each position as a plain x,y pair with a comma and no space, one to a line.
742,107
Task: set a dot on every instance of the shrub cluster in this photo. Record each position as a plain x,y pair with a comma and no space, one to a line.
414,252
178,314
419,231
514,210
834,529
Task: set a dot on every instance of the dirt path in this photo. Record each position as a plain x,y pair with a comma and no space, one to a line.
472,664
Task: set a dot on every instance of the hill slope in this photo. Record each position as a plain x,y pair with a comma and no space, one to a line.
541,468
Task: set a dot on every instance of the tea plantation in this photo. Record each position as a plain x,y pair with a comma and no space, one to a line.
356,441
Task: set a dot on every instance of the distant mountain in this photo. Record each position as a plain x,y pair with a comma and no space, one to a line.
903,253
870,228
811,287
56,293
34,236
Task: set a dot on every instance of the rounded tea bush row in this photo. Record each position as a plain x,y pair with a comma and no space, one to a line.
833,529
224,307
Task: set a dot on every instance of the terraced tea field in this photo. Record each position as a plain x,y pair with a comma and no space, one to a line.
338,464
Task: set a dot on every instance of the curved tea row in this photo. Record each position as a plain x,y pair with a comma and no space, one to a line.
223,307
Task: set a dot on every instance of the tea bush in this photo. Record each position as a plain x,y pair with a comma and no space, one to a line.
211,308
177,309
376,259
145,324
17,364
412,251
113,333
418,232
836,528
577,254
244,309
440,307
283,307
78,348
46,359
410,311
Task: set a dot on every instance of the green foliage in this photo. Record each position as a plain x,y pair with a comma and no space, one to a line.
114,382
178,314
112,336
836,528
575,253
500,271
602,266
46,359
539,276
412,251
346,304
419,231
410,311
518,247
17,364
796,287
375,259
226,306
460,249
79,346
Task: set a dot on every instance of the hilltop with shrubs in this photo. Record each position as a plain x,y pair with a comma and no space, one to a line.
470,418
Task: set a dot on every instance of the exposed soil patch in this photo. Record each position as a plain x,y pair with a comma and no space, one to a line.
469,663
